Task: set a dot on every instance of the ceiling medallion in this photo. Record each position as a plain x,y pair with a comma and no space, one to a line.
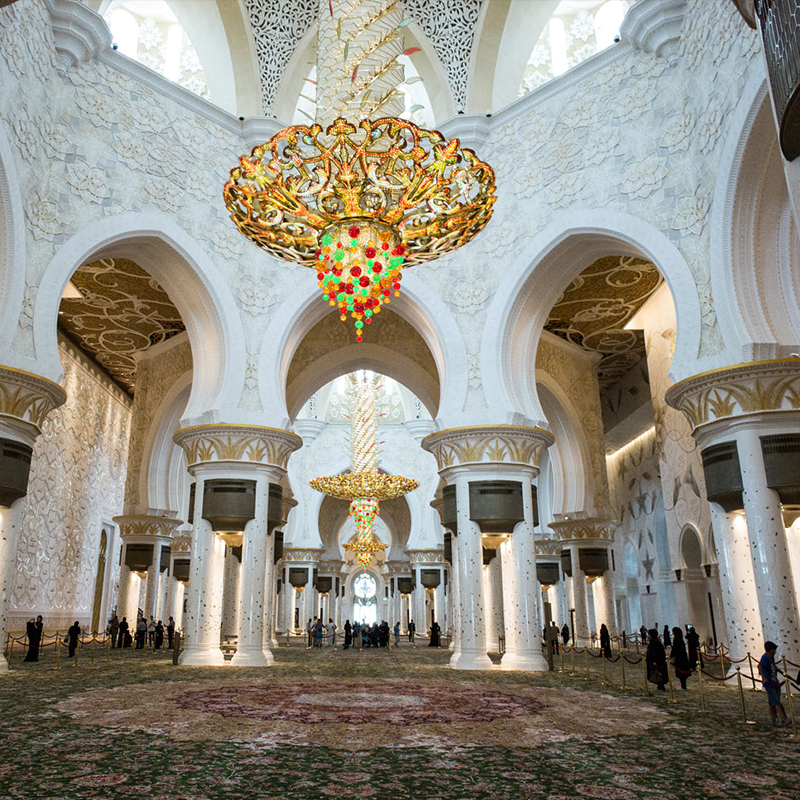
364,486
358,204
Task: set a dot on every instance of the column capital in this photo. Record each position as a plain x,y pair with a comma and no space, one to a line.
142,526
512,445
755,387
548,547
250,444
584,531
25,400
182,544
333,566
433,556
398,567
309,555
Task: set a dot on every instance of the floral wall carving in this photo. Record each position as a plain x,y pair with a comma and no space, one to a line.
75,485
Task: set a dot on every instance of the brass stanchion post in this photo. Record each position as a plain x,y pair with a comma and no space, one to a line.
572,660
789,698
646,687
11,651
586,661
741,697
722,662
77,647
672,700
108,648
702,690
94,642
752,676
606,682
561,656
58,651
622,661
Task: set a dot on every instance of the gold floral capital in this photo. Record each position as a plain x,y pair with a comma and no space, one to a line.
304,554
182,544
334,566
547,547
256,444
488,444
147,526
28,397
426,556
584,529
758,386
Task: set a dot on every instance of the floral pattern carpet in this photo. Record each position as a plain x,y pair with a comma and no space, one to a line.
377,724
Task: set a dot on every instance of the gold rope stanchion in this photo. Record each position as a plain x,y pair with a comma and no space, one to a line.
108,648
58,651
606,682
702,690
672,700
94,641
722,662
77,647
646,687
586,661
789,698
561,656
741,697
11,651
753,687
622,661
572,659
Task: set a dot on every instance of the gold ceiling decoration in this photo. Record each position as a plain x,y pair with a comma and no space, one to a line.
121,311
594,309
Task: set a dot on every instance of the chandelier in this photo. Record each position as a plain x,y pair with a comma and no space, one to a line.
358,204
364,486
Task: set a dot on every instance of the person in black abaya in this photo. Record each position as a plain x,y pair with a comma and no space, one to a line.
73,633
565,634
667,641
34,629
123,632
678,657
693,646
656,658
159,635
435,632
348,635
605,641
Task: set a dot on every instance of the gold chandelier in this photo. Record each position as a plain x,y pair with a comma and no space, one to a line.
360,203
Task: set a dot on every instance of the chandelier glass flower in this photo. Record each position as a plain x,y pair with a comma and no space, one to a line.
364,486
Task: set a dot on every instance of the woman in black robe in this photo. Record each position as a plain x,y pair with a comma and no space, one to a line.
348,635
435,631
605,641
667,641
678,657
34,628
159,635
73,633
656,658
693,646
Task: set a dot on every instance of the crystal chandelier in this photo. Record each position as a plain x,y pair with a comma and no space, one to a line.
364,486
359,202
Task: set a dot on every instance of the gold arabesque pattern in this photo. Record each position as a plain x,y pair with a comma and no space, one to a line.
122,311
593,310
568,529
28,397
237,443
143,525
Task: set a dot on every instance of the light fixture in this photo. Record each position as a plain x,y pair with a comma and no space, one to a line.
360,203
364,486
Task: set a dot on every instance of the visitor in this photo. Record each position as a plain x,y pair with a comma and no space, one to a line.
113,630
643,634
123,632
412,629
384,633
319,629
159,638
170,633
555,635
624,640
667,641
397,634
678,657
605,641
768,670
72,638
34,630
141,633
656,659
692,645
348,635
565,634
330,630
551,643
151,631
435,632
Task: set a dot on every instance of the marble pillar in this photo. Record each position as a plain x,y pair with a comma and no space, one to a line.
231,595
581,634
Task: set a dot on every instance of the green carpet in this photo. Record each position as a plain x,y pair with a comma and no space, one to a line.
376,724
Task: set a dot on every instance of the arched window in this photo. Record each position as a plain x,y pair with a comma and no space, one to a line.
365,601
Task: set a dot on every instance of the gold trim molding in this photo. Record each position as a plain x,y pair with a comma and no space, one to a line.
143,525
584,529
255,444
295,554
28,397
334,567
740,389
182,544
488,444
548,547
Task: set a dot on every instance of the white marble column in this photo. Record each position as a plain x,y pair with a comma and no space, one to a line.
419,603
204,601
151,583
582,633
439,602
455,605
123,593
470,578
737,583
252,649
493,596
521,594
772,569
10,524
604,606
231,595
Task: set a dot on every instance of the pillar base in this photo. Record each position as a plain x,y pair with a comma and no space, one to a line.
201,656
4,664
474,660
524,662
252,656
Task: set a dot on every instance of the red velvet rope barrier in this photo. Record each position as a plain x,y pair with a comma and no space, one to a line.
632,660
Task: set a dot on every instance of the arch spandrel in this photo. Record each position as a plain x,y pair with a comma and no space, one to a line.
193,282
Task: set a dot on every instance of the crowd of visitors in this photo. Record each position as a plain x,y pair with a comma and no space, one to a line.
359,634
